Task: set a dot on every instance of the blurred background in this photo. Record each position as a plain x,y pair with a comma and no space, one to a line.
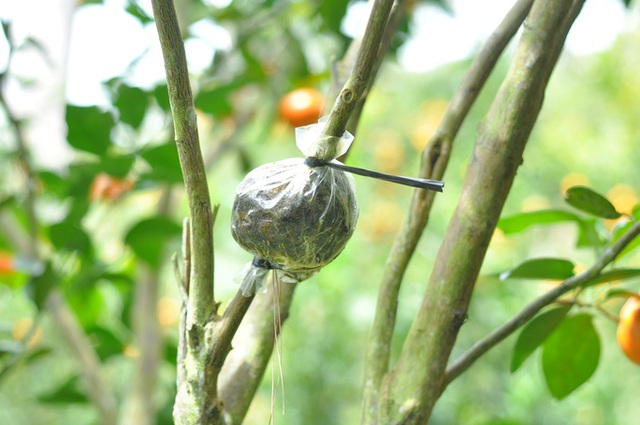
66,63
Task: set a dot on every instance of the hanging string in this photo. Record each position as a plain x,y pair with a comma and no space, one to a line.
277,336
435,185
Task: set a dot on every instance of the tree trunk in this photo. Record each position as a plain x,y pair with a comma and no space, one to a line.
416,382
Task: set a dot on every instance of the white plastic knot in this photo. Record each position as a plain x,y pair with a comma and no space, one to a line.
311,142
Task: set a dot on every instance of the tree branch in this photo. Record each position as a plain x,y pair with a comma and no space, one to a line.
253,344
89,363
500,142
139,408
14,232
245,366
343,68
226,328
434,162
201,301
395,19
139,404
183,288
359,79
197,399
485,344
28,243
24,156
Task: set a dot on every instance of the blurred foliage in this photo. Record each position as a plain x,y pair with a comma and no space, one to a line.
93,248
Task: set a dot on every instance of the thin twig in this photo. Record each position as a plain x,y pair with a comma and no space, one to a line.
197,399
485,344
139,406
226,328
358,81
244,368
177,276
606,313
182,281
186,259
23,153
574,301
64,319
253,345
21,348
84,352
13,232
201,299
395,19
342,69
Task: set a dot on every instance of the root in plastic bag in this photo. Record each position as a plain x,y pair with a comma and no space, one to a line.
293,217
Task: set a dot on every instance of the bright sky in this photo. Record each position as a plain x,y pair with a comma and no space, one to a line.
98,53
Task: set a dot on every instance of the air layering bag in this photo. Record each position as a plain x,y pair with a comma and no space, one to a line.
296,215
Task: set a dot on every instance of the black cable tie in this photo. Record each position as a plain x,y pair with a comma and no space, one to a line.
264,264
428,184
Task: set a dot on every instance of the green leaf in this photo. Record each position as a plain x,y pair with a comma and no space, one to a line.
7,201
253,67
444,5
135,10
38,353
296,59
588,234
66,393
541,268
81,175
164,162
587,200
332,13
53,184
519,222
161,95
14,281
89,128
10,347
89,274
87,303
535,332
149,237
132,103
106,343
39,286
171,352
78,209
216,100
617,234
35,44
570,355
619,293
117,166
68,236
613,275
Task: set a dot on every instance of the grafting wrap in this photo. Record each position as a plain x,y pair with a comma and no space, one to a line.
295,218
